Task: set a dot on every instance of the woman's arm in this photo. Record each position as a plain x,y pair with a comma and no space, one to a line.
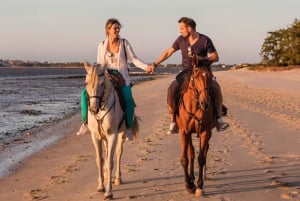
131,56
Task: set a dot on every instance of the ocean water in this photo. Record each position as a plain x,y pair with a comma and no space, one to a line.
31,101
31,98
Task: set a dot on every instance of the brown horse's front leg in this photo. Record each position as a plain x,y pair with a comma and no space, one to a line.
184,139
204,138
201,161
191,156
205,166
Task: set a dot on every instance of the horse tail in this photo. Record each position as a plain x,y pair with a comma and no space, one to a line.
136,127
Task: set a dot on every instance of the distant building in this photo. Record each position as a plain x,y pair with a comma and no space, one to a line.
4,64
16,62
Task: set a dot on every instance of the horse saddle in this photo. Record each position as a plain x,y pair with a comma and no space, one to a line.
118,82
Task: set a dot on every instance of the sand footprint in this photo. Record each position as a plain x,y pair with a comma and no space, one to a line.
36,194
58,180
130,168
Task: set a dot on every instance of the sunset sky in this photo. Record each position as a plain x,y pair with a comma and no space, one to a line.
70,30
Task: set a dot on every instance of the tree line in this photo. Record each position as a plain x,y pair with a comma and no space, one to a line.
282,47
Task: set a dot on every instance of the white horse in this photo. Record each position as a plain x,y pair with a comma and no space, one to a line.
106,122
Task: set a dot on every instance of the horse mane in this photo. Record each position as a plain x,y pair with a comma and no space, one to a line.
93,78
185,84
107,87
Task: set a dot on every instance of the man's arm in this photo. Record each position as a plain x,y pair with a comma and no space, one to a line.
213,57
207,61
165,55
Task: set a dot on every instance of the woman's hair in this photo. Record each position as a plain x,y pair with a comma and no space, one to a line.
110,22
188,22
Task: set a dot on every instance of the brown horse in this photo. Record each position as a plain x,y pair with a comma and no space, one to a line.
195,115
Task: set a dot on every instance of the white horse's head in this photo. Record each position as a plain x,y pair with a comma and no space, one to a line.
94,81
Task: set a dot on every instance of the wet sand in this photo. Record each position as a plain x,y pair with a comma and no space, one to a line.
258,158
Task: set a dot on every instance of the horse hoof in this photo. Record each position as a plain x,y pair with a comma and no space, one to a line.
101,190
118,182
191,188
199,192
108,197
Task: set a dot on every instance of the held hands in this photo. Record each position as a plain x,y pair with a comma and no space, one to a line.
150,69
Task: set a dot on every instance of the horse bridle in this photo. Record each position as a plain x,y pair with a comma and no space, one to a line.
100,100
108,110
197,95
99,97
198,92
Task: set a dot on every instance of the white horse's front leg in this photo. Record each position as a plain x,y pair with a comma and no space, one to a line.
99,161
119,151
111,146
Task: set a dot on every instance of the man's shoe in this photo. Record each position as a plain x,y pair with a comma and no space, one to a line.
129,134
224,110
173,128
83,130
221,125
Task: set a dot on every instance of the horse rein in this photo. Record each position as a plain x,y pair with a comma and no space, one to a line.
198,92
100,97
198,102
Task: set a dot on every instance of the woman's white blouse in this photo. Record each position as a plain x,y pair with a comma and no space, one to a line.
118,61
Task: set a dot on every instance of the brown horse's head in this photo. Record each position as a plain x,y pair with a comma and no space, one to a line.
94,86
201,84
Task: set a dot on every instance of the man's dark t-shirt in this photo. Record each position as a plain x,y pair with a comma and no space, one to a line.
202,47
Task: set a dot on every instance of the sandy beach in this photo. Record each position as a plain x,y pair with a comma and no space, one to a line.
257,158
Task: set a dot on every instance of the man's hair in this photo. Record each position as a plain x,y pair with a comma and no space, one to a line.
188,22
